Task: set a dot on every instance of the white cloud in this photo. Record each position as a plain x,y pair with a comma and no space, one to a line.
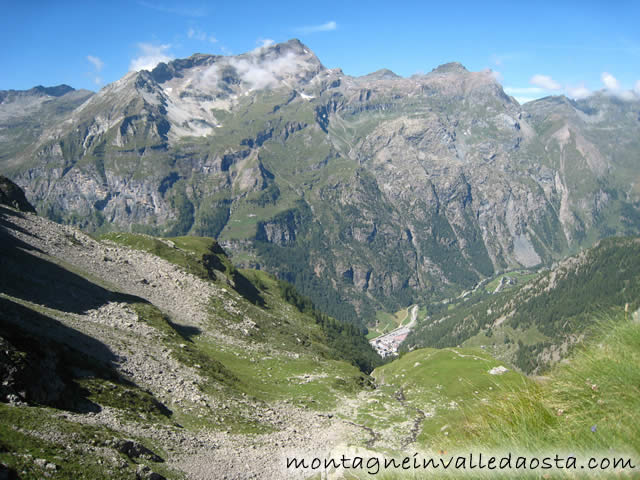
545,81
97,80
613,87
258,70
264,43
97,63
609,81
578,92
497,76
149,56
544,84
325,27
266,74
626,95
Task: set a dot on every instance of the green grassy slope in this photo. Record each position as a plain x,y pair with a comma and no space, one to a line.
585,407
590,403
440,386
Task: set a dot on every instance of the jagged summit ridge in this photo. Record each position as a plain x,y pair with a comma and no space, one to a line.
276,60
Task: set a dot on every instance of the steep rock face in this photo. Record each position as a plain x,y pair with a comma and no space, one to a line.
380,189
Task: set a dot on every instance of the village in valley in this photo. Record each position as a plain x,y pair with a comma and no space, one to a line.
388,343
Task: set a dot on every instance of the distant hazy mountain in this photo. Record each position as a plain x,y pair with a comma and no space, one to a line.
378,190
26,114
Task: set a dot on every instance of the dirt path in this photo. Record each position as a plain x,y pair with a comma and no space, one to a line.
414,317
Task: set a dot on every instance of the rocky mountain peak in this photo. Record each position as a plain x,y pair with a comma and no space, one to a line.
268,66
285,58
451,67
382,74
175,68
293,45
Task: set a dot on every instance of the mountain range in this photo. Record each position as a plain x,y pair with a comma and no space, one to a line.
367,193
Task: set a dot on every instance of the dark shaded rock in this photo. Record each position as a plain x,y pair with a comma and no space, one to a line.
134,449
18,371
145,473
7,473
13,196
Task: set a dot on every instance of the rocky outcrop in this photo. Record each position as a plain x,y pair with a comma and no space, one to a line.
13,196
282,229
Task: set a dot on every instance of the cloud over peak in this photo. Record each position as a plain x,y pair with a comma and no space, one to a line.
609,81
545,81
261,68
613,87
149,56
578,92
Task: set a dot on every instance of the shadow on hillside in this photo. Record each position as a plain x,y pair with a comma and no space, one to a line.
42,358
42,374
5,223
27,276
247,289
187,332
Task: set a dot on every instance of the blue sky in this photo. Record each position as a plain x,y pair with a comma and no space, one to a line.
535,48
